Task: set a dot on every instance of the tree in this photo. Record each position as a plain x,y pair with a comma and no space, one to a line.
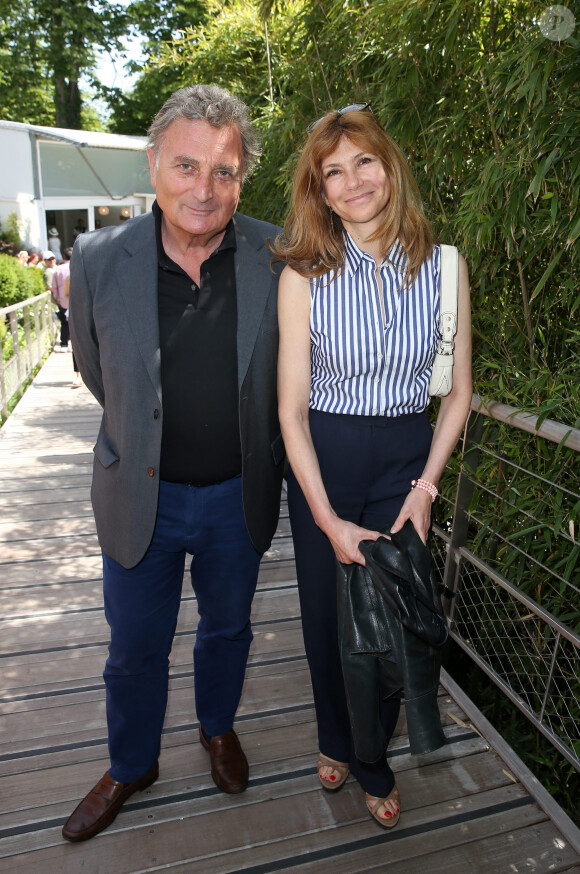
25,90
45,49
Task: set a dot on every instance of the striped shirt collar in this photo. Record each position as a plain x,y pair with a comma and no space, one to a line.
353,256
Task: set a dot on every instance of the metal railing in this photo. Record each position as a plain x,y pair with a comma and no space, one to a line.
511,556
28,333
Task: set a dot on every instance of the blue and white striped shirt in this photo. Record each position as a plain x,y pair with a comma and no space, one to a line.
372,349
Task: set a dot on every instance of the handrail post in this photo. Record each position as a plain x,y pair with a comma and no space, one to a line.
16,351
28,335
465,489
3,392
38,339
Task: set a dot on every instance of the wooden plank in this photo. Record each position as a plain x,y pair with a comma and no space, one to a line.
45,672
38,569
17,531
67,546
40,512
15,498
230,826
82,715
90,625
350,848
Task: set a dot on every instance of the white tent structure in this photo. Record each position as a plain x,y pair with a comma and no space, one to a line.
53,177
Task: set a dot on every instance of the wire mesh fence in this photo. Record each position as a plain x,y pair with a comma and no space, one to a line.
508,548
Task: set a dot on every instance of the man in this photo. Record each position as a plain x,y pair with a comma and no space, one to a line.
173,320
49,263
79,228
59,295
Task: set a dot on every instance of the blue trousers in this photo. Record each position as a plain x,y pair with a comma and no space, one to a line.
367,465
141,607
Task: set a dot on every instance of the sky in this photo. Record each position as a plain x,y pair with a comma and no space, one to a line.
111,68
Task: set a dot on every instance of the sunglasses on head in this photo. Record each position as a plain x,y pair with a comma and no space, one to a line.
352,106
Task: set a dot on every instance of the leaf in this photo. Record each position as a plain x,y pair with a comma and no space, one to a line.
575,230
546,274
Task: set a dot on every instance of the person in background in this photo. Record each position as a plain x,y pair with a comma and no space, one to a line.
54,243
358,313
60,293
79,228
174,324
23,257
49,263
57,288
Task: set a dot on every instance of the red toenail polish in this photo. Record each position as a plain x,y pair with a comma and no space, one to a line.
332,777
388,814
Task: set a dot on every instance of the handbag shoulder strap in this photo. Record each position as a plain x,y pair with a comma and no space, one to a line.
448,285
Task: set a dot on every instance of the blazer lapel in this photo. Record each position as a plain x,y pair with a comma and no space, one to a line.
136,273
253,282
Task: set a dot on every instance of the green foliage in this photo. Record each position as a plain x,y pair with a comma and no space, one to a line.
7,341
159,21
17,282
45,48
10,229
132,113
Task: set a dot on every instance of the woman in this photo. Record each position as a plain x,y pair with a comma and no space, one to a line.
358,315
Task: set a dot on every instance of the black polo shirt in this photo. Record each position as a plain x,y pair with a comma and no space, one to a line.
199,373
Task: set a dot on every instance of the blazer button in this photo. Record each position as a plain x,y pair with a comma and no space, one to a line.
150,471
155,414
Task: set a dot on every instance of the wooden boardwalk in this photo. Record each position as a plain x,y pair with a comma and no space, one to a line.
462,808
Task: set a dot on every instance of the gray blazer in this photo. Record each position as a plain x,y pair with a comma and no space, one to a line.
115,334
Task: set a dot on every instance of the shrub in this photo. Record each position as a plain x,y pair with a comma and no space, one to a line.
17,282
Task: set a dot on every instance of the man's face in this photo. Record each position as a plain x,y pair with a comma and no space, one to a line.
198,177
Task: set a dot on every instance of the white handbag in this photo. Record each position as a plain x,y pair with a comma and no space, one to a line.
442,374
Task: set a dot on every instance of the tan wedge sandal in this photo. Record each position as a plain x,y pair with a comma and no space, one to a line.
332,782
388,819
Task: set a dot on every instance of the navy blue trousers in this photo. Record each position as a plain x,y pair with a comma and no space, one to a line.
141,607
367,465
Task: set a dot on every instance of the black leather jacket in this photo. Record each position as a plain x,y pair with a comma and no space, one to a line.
391,629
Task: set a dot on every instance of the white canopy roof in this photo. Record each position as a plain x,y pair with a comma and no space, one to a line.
88,163
81,138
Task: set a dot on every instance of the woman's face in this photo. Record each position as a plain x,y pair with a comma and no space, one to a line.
356,186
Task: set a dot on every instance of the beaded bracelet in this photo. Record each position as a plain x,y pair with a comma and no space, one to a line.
426,486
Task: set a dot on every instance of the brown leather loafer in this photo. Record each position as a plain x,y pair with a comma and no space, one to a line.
99,808
229,766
